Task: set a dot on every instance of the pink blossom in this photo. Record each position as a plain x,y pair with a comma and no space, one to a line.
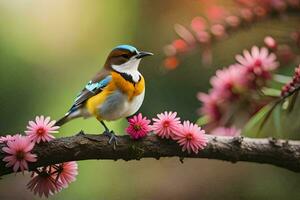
260,11
7,138
215,13
191,137
291,86
218,30
67,172
198,24
19,150
259,61
180,45
41,129
138,126
247,14
228,82
171,62
44,183
233,21
210,105
203,36
166,124
226,131
52,179
270,42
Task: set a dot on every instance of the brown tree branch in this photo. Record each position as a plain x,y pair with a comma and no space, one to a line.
281,153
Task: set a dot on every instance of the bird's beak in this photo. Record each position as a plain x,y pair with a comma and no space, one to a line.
142,54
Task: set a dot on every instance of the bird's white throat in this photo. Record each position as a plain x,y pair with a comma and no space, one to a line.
130,68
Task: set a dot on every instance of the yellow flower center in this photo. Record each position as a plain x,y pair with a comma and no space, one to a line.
137,127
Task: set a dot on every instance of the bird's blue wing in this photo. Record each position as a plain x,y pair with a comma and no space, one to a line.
91,89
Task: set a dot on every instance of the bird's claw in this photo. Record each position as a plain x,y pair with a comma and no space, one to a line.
113,139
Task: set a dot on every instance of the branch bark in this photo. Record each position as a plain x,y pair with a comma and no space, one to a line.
280,153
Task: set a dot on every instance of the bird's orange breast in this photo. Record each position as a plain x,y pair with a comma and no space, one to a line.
127,87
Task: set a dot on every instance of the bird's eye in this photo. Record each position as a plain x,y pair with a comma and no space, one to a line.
125,56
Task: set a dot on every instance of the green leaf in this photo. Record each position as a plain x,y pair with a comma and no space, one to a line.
251,128
292,102
277,120
282,78
285,104
271,92
267,116
203,120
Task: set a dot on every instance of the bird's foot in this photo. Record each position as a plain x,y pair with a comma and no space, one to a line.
113,139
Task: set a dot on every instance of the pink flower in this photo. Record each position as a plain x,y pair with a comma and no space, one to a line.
246,14
19,150
270,42
291,86
180,45
210,105
67,172
229,82
8,138
215,13
166,124
52,179
171,62
218,30
138,126
44,183
258,61
41,129
226,131
198,24
191,137
233,20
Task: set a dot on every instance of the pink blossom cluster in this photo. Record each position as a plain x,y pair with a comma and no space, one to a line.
19,147
167,125
6,138
52,179
238,84
216,24
46,180
293,84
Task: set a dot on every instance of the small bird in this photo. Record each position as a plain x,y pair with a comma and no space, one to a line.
117,91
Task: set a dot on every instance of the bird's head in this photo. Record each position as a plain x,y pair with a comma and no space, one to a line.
125,58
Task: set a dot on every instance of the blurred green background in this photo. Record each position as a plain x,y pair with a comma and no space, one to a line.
50,49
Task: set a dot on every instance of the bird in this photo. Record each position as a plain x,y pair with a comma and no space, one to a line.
116,91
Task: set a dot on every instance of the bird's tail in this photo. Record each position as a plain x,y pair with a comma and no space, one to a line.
71,114
62,120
